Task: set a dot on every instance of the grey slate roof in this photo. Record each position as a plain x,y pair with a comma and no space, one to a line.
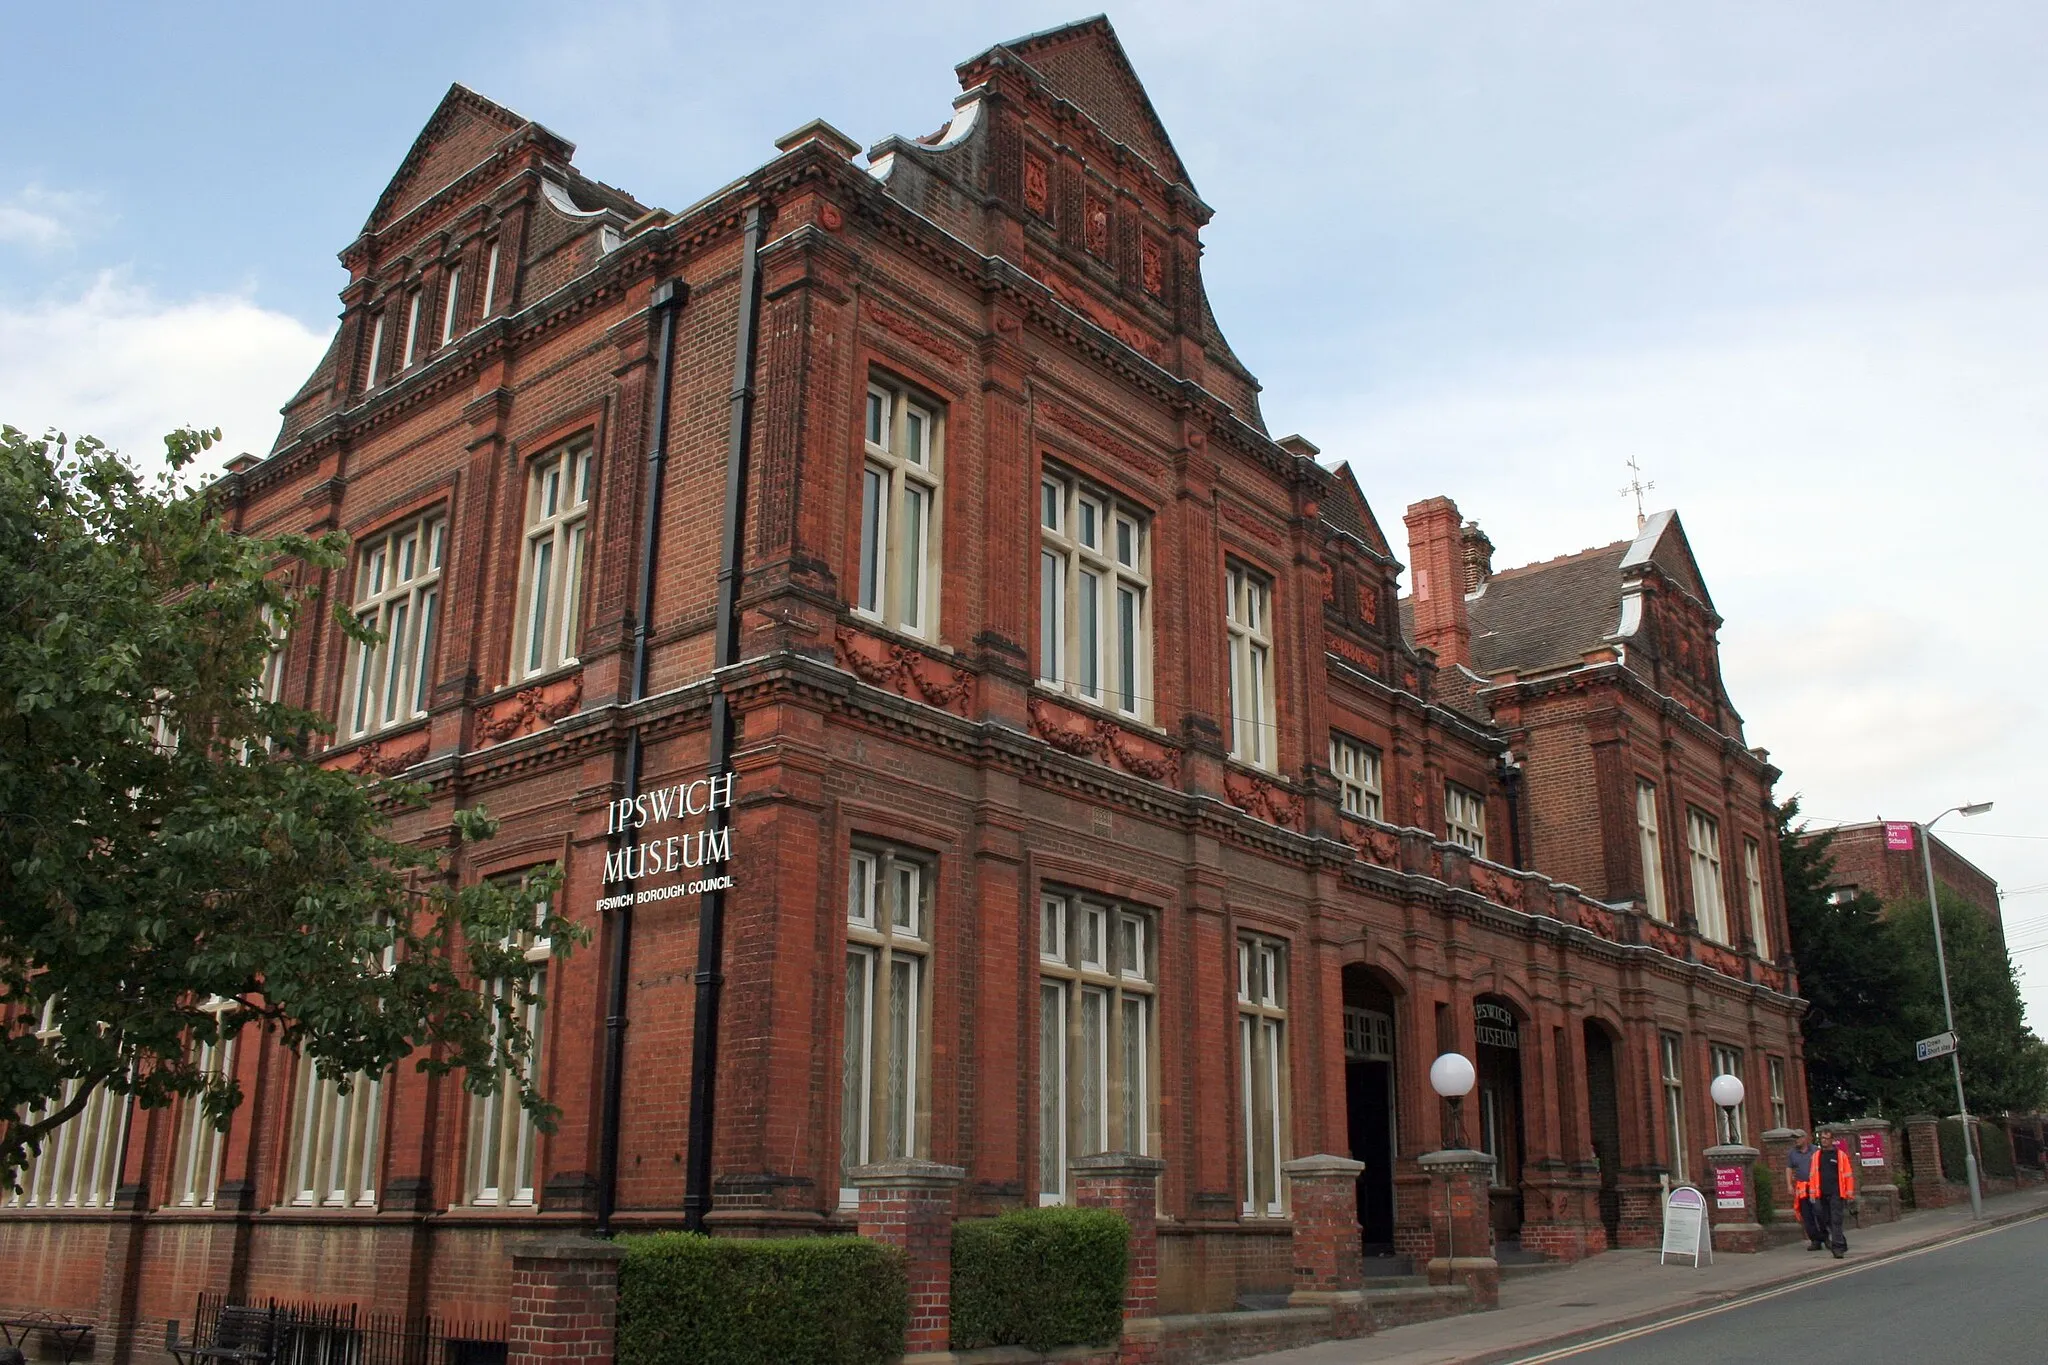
1546,615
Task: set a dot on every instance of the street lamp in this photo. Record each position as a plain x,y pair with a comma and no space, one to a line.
1948,1012
1452,1076
1727,1092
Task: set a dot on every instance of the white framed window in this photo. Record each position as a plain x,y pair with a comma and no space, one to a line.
270,687
899,511
1262,1063
1097,969
398,593
1248,620
1730,1124
451,303
336,1135
1465,818
195,1165
1672,1050
1703,841
1094,590
376,352
503,1141
1357,769
79,1164
490,300
1368,1035
545,634
412,330
888,961
1753,885
1781,1114
1651,849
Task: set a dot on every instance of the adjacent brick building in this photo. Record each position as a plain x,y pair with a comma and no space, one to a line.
1863,863
1095,791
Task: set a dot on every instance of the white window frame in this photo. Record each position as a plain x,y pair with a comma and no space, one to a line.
1650,846
504,1143
1094,563
1731,1124
888,958
896,577
490,304
1248,613
195,1166
1709,903
451,303
412,330
1356,766
1262,1072
545,633
336,1138
79,1164
376,351
1781,1114
1097,1075
1753,878
398,592
1465,818
1671,1052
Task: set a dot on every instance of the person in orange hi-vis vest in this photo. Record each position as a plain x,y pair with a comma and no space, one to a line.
1830,1183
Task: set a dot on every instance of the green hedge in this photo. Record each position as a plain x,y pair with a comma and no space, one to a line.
1040,1278
1994,1148
686,1299
1760,1176
1954,1151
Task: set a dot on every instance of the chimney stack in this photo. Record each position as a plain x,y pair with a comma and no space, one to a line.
1478,557
1437,557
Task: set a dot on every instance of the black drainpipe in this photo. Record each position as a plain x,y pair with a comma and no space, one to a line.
666,303
711,908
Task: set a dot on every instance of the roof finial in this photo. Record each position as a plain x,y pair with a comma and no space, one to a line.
1636,486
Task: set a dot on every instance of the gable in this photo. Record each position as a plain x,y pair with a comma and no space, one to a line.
461,133
1348,510
1662,543
1085,63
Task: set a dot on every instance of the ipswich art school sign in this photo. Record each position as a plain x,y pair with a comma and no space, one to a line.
700,850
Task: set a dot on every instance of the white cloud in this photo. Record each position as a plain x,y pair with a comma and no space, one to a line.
43,219
118,362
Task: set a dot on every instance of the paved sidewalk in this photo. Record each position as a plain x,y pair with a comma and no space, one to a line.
1623,1289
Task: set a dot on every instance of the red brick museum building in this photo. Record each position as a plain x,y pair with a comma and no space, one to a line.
1095,789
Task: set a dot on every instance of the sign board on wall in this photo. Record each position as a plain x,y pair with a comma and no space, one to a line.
1898,836
1494,1025
705,851
1685,1227
1729,1192
1870,1149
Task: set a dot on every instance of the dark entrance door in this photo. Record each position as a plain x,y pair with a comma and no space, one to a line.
1604,1105
1499,1063
1369,1103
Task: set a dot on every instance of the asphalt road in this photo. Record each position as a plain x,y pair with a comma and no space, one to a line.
1970,1302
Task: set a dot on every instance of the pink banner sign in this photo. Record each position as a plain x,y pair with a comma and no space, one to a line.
1870,1149
1898,836
1729,1191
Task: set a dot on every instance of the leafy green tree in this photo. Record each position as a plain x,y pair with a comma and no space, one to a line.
175,864
1863,1006
2005,1067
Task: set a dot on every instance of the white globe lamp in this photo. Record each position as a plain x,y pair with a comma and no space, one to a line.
1453,1076
1727,1091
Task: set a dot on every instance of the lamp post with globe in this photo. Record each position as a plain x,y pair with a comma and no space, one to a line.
1736,1226
1452,1076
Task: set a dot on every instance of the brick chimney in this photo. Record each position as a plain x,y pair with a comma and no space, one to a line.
1478,556
1437,559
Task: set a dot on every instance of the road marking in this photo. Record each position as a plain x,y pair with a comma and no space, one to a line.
1566,1352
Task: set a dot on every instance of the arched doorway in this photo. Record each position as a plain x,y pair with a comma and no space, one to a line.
1497,1032
1603,1102
1369,1102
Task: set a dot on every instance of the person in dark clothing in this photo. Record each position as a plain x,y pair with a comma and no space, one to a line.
1832,1184
1798,1170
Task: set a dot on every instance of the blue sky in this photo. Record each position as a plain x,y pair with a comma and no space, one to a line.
1793,258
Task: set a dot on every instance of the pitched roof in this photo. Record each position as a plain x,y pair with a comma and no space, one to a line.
464,128
1547,615
1084,62
1348,511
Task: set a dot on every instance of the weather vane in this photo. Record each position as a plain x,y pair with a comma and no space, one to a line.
1636,486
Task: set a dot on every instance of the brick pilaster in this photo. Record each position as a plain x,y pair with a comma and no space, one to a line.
1735,1224
1930,1182
1323,1193
565,1301
1776,1143
1129,1184
1877,1182
909,1205
1461,1222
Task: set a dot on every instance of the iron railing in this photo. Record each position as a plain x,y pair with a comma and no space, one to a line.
344,1334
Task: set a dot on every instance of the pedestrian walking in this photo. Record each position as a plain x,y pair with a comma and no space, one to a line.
1828,1188
1798,1170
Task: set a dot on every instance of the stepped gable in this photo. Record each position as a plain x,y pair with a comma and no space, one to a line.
464,129
1084,62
